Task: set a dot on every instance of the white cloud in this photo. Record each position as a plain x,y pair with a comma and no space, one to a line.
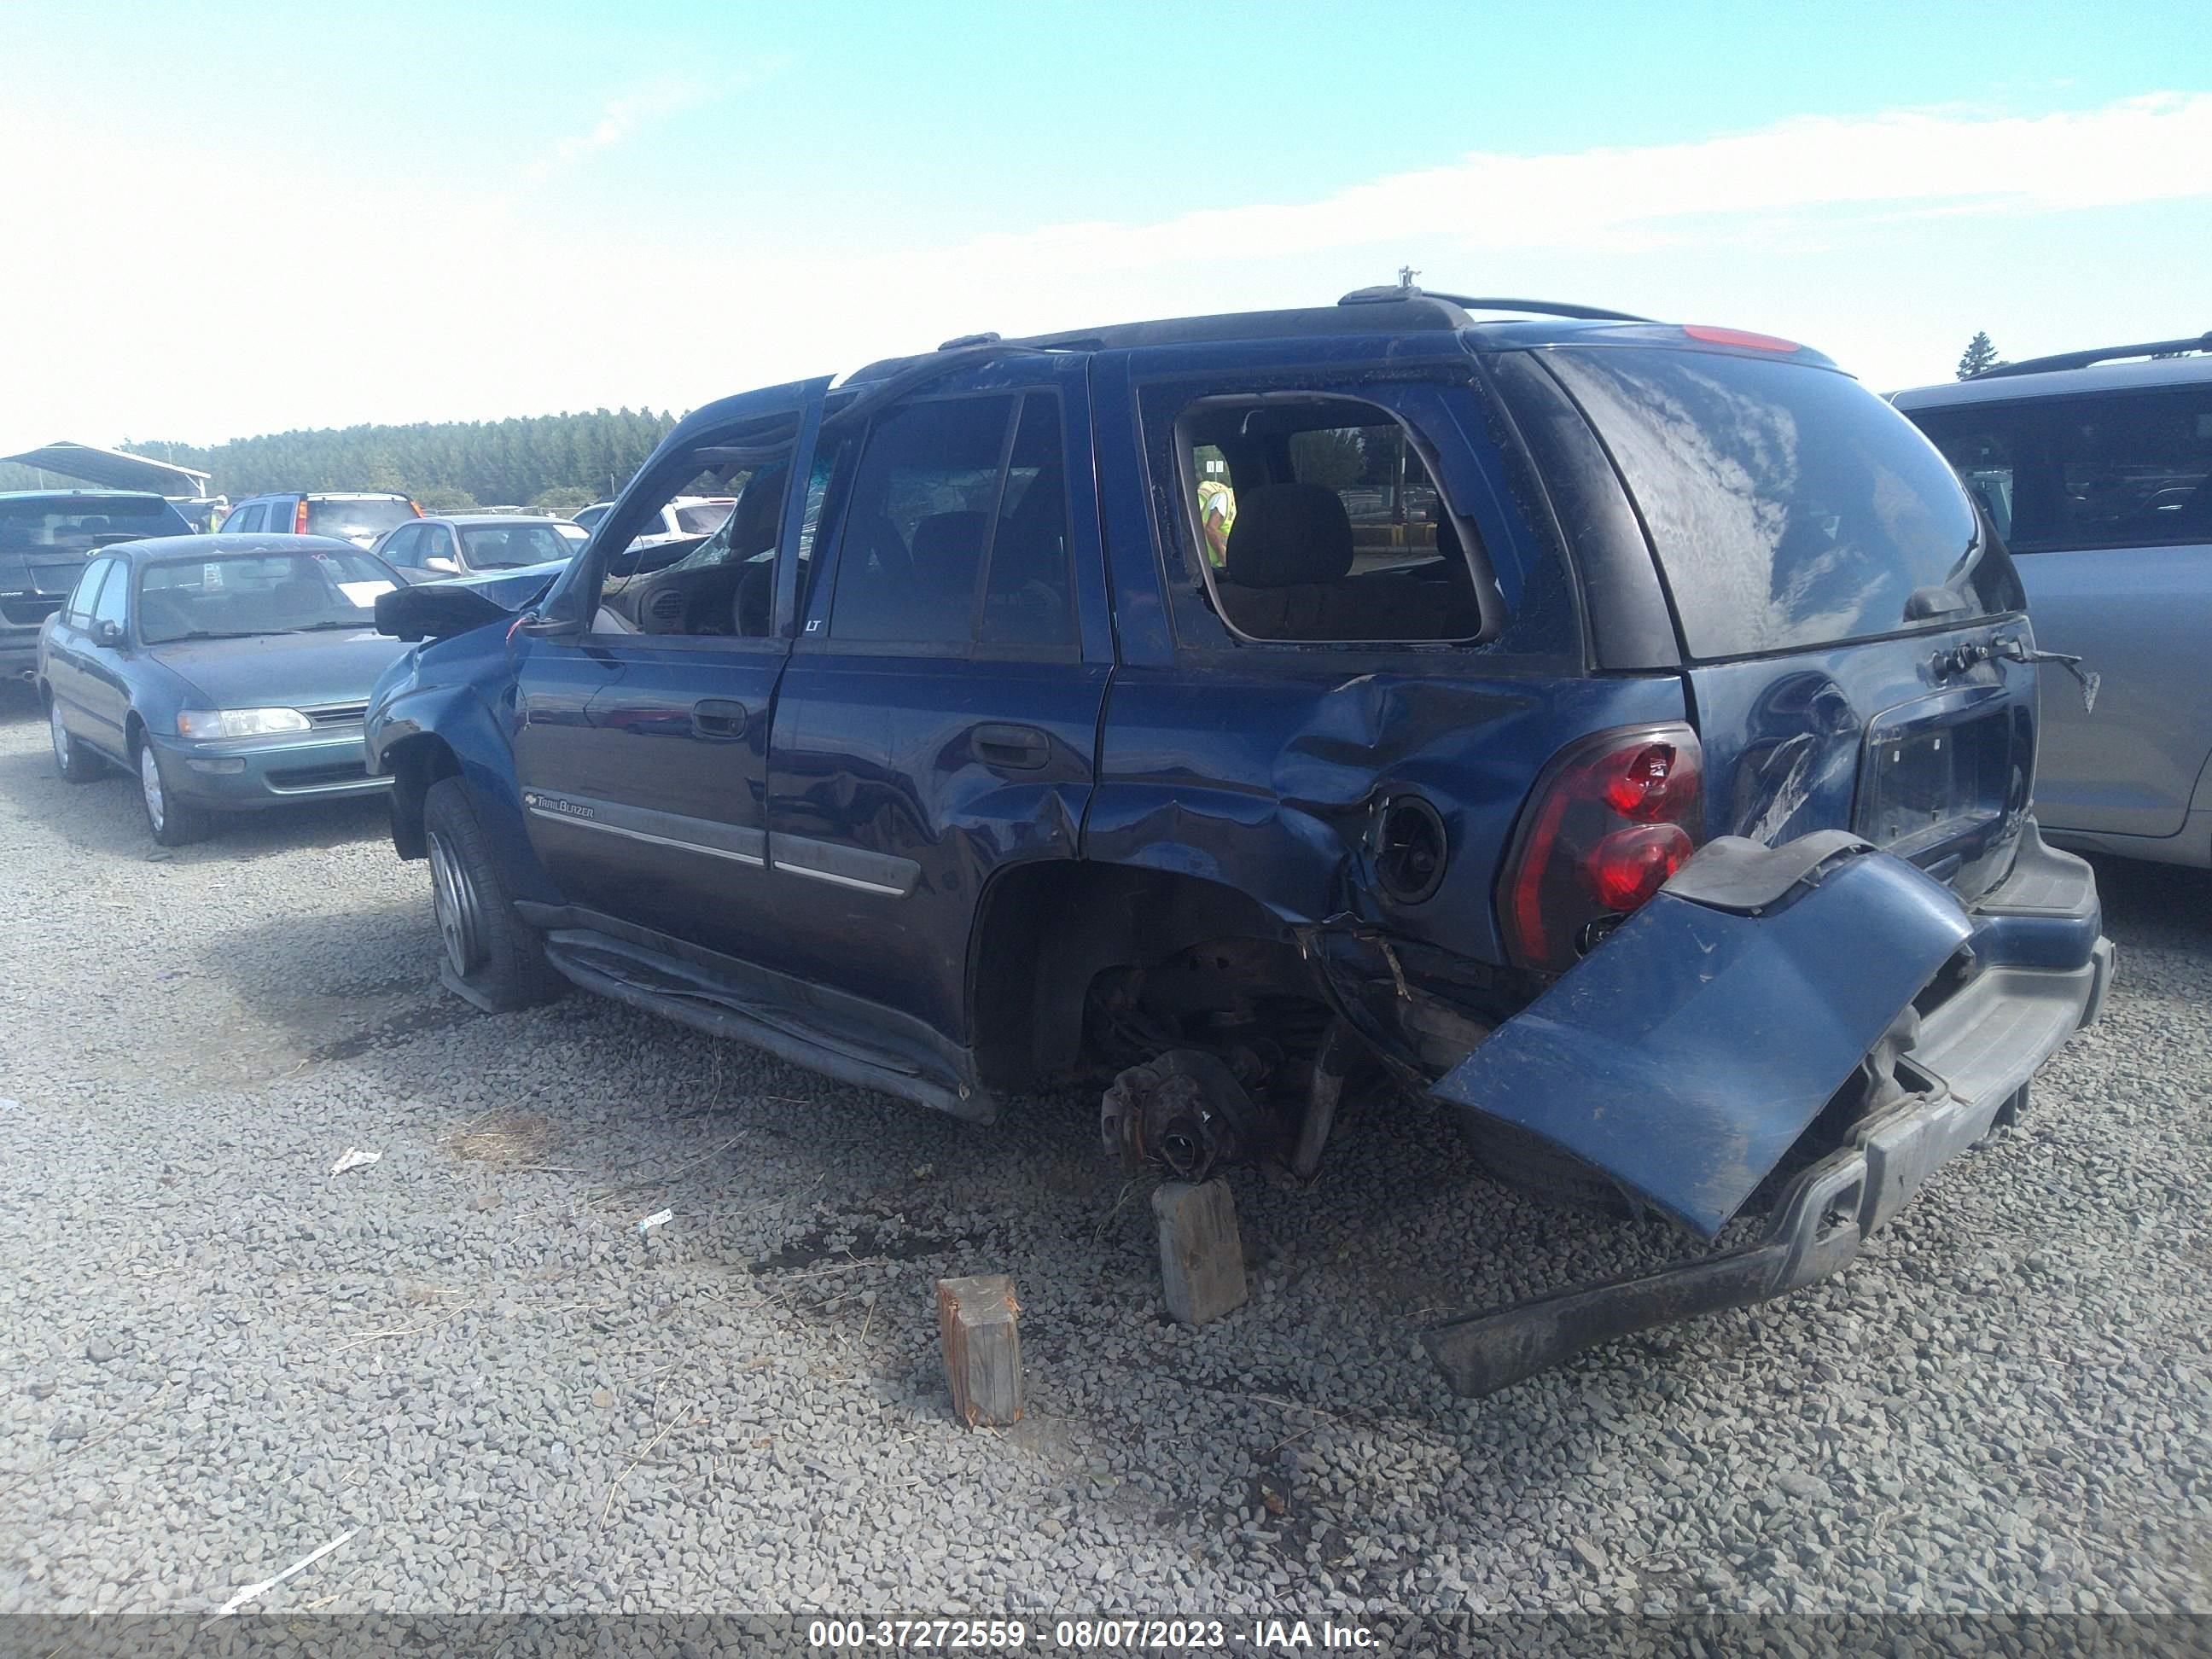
139,313
622,118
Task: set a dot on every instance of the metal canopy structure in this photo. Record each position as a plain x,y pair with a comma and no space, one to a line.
112,469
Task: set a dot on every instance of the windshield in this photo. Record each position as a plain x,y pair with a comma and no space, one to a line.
353,520
34,524
504,546
281,593
1789,507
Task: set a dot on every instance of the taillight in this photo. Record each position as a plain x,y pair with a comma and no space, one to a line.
416,510
300,518
1613,818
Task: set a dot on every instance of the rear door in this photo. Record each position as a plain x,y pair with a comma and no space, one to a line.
1845,618
937,721
2104,498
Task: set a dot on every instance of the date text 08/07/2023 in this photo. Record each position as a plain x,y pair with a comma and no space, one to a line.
1099,1635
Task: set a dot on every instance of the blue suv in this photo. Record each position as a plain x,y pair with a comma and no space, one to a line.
1623,731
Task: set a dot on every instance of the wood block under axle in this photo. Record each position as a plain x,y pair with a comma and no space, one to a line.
980,1322
1201,1257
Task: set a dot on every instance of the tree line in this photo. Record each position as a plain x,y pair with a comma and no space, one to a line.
557,462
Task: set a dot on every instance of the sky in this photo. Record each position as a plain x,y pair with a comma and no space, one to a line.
245,217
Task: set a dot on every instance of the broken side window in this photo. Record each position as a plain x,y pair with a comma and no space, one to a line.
1314,518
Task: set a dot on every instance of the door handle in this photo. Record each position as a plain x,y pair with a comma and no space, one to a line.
719,720
1024,748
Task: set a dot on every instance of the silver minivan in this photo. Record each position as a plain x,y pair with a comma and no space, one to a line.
2094,467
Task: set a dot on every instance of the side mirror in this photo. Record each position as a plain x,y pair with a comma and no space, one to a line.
109,634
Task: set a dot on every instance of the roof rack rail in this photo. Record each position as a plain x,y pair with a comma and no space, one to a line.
2104,354
1396,291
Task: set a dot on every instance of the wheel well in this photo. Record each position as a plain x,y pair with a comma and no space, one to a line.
1045,932
134,728
416,764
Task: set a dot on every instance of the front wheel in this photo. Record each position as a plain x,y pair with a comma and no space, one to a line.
492,957
73,761
173,822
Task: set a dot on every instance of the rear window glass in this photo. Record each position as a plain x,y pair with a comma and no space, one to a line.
74,526
503,546
703,519
352,519
1790,505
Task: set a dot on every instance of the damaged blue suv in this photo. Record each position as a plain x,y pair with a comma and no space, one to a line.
1623,731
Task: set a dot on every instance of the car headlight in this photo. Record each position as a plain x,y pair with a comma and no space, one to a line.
240,722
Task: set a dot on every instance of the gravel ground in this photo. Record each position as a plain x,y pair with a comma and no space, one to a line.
216,1356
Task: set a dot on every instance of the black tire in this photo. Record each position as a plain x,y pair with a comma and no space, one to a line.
171,821
492,958
1527,1162
73,761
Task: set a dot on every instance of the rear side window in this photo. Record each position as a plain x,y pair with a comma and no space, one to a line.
955,530
1318,521
354,520
1789,506
2124,469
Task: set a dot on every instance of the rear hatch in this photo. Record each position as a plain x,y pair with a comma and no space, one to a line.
1839,603
46,539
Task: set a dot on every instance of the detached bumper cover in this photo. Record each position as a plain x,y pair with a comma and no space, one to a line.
2039,972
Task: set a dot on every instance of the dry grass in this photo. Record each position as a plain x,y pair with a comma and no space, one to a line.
505,1141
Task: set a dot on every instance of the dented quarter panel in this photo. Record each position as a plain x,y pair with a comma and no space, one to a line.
1270,782
1686,1054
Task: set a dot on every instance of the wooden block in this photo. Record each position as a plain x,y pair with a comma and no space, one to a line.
1201,1257
981,1324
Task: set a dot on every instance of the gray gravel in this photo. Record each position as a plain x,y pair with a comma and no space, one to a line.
216,1357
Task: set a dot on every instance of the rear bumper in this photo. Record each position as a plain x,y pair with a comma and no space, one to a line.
2039,972
19,651
236,777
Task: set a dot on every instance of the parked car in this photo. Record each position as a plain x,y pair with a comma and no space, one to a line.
1679,863
682,518
45,536
2094,468
463,545
359,516
224,672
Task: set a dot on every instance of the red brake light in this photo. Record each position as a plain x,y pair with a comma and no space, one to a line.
1611,818
1737,337
1631,864
300,518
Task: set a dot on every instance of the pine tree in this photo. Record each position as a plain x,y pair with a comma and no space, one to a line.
1979,354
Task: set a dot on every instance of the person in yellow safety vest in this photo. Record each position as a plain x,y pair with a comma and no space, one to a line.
1217,513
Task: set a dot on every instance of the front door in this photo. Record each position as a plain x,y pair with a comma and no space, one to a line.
641,743
939,721
68,645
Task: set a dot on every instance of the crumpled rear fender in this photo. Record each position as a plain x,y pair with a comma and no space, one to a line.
1686,1054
